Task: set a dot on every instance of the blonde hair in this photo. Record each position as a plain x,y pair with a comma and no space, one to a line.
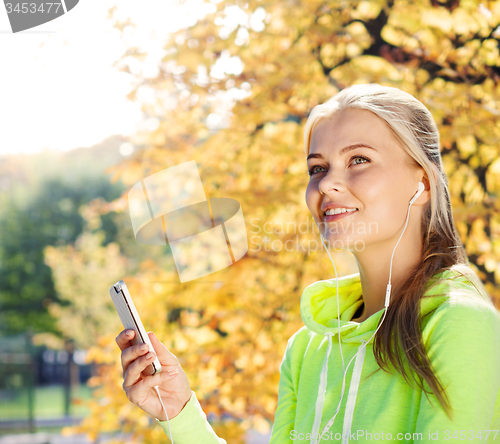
413,127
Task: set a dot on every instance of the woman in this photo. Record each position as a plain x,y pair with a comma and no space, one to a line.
426,346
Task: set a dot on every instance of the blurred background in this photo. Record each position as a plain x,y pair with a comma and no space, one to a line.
112,92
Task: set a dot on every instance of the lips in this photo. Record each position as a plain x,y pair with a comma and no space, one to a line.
348,210
334,206
334,217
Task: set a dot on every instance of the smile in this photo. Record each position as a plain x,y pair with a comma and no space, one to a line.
338,213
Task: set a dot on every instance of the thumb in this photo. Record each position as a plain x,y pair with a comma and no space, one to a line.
165,356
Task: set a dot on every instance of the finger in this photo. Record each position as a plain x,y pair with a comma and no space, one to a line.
139,393
130,354
134,370
124,338
157,379
165,356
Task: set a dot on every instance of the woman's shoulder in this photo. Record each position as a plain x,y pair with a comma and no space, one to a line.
456,286
300,341
457,302
302,335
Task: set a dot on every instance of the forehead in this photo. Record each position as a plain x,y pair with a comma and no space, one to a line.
349,127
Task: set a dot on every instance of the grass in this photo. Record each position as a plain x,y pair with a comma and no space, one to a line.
48,403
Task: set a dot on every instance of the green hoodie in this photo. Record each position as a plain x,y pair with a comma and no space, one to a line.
461,331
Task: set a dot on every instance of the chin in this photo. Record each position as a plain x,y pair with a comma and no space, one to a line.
338,243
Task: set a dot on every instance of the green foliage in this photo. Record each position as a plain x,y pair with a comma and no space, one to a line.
40,211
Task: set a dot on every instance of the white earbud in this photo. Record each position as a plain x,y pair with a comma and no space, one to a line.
421,188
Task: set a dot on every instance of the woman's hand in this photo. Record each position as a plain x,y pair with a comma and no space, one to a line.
171,381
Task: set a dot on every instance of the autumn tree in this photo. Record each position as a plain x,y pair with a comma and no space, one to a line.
233,92
81,272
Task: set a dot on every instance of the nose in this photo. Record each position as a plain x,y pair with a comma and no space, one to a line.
329,183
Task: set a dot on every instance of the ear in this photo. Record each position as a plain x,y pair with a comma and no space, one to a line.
426,194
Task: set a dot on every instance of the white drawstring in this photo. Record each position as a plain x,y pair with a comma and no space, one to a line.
353,393
322,390
362,349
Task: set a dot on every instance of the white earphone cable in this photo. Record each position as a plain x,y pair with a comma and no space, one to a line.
338,306
390,266
165,410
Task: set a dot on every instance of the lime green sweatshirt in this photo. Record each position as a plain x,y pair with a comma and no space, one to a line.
461,332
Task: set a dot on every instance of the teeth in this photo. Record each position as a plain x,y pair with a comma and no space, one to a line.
339,210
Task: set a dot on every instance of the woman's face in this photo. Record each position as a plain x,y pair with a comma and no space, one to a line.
358,165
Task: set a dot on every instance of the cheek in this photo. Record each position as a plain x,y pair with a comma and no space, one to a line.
387,213
367,189
378,197
311,197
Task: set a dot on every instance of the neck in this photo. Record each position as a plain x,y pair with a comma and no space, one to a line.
374,263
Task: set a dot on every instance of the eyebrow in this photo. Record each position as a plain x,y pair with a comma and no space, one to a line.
343,150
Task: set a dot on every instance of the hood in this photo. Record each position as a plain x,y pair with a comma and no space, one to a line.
318,308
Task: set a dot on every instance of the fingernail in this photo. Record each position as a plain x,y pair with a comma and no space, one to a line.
150,355
173,372
129,332
144,347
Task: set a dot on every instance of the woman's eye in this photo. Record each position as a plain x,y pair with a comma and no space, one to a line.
365,159
313,169
360,157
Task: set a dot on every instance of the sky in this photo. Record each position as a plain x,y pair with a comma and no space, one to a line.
58,86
